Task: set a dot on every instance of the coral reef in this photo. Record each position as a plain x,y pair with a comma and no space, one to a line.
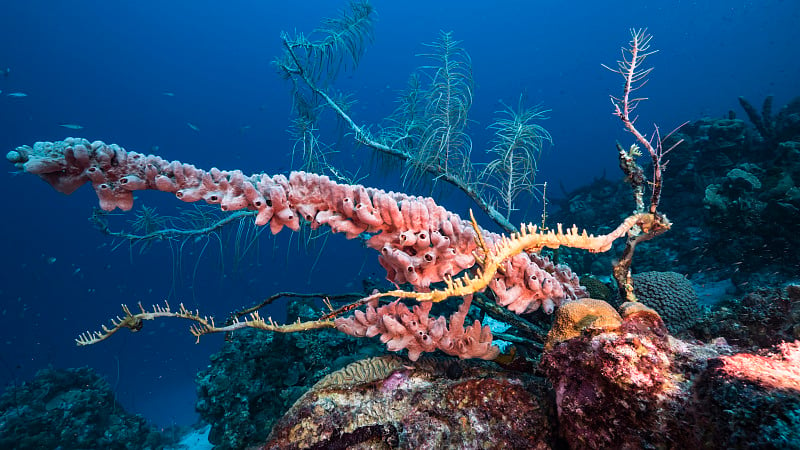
612,379
241,395
576,317
750,401
432,403
758,319
595,288
638,387
785,126
617,381
671,295
733,195
614,386
71,409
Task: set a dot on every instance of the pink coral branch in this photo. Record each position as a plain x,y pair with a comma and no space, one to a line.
413,329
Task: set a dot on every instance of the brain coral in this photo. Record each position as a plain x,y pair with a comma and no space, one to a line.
574,317
671,294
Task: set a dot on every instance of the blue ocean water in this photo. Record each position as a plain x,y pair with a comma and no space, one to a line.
138,73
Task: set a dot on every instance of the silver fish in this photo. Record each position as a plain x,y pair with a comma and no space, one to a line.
71,126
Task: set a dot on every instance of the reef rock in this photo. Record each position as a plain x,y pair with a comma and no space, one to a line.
389,402
635,386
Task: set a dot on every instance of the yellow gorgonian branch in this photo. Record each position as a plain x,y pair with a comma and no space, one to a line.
531,239
489,257
202,324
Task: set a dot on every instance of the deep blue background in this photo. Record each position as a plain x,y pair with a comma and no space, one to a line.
106,65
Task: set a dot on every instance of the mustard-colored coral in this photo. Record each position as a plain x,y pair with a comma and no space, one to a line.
575,317
630,308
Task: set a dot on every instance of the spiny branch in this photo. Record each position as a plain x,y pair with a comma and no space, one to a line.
631,68
529,239
202,324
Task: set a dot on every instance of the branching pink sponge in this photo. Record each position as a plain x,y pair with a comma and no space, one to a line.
419,241
402,328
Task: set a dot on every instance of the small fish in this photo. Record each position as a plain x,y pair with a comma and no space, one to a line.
71,126
5,71
17,94
169,94
193,126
